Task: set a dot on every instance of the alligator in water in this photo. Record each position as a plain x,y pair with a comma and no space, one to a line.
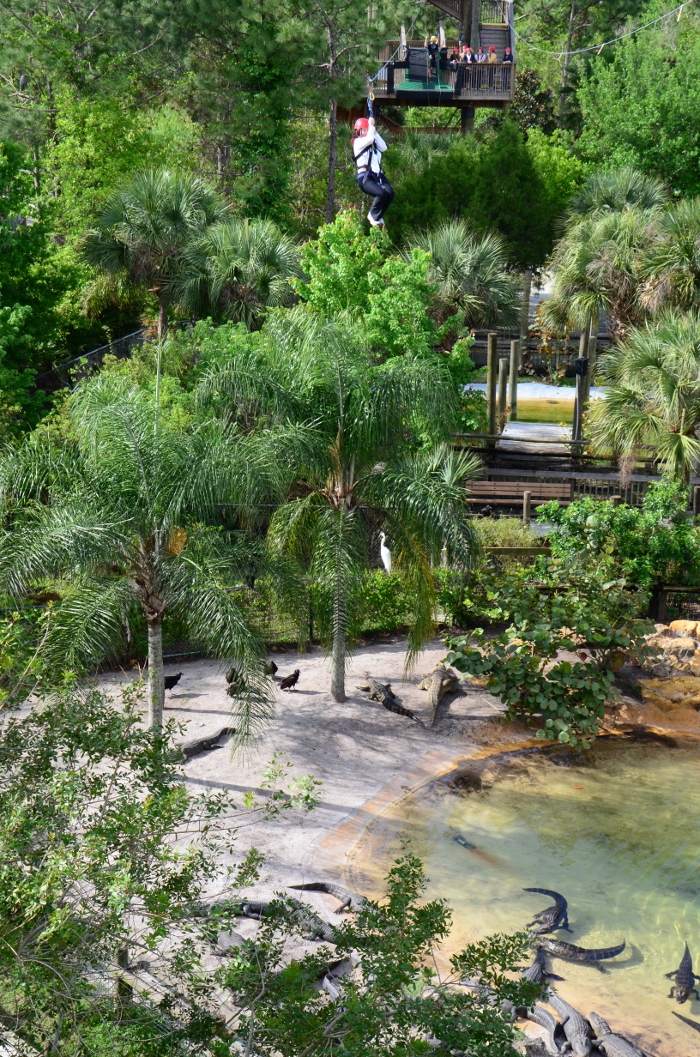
612,1045
576,1028
570,953
544,1018
684,979
551,918
348,900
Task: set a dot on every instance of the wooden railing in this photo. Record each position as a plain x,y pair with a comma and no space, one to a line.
466,82
495,12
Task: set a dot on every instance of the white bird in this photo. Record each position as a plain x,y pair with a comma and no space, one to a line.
385,552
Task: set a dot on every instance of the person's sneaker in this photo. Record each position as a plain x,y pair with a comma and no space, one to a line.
375,223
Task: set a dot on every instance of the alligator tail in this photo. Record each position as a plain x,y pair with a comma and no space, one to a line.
559,899
607,952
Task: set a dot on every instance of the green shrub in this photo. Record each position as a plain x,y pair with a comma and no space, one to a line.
580,609
652,544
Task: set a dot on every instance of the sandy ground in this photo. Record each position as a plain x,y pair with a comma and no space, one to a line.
364,755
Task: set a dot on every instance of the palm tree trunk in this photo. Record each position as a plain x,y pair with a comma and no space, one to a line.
156,686
162,319
340,612
338,665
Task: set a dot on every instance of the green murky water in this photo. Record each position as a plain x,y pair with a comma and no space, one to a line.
616,830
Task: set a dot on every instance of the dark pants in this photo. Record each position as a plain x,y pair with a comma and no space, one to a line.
377,184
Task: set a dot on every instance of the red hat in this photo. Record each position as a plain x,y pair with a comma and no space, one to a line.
362,125
492,48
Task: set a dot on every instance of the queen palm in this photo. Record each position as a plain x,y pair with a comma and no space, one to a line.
652,385
119,516
239,269
145,227
470,273
364,472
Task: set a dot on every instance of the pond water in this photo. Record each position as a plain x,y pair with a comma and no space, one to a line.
615,830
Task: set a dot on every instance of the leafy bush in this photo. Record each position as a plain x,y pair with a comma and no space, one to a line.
578,610
650,545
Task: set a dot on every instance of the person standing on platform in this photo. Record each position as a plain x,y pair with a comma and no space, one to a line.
367,148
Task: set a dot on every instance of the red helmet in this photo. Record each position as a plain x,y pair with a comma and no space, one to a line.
362,125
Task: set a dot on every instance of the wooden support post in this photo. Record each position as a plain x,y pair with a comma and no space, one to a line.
616,500
476,22
592,353
467,120
513,380
578,407
525,312
526,509
491,368
696,500
582,354
502,392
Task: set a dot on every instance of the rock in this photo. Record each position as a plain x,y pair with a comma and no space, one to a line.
684,627
682,691
683,649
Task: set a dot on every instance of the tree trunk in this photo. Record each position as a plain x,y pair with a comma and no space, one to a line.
565,67
332,161
340,611
156,686
338,665
162,319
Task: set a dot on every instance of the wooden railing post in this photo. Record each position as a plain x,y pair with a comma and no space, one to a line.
513,394
525,312
527,496
696,500
502,392
491,356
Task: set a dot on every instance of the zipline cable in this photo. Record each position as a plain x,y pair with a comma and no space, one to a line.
599,47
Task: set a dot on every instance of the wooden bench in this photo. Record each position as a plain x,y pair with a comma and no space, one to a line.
511,492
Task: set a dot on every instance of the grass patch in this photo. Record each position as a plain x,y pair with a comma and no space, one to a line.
545,411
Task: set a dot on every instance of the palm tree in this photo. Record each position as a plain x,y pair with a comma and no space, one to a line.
120,516
671,266
652,385
618,191
597,262
239,268
145,228
470,272
364,472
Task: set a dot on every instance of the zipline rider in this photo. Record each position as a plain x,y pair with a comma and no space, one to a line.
368,147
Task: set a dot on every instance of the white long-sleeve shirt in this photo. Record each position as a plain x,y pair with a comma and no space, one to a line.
369,158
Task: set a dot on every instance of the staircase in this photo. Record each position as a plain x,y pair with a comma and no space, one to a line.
499,36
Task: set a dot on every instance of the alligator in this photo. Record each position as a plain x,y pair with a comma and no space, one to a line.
212,741
552,918
570,953
441,681
612,1045
383,693
576,1028
309,923
684,979
544,1018
348,900
537,972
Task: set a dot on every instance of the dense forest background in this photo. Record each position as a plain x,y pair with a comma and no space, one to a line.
242,96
